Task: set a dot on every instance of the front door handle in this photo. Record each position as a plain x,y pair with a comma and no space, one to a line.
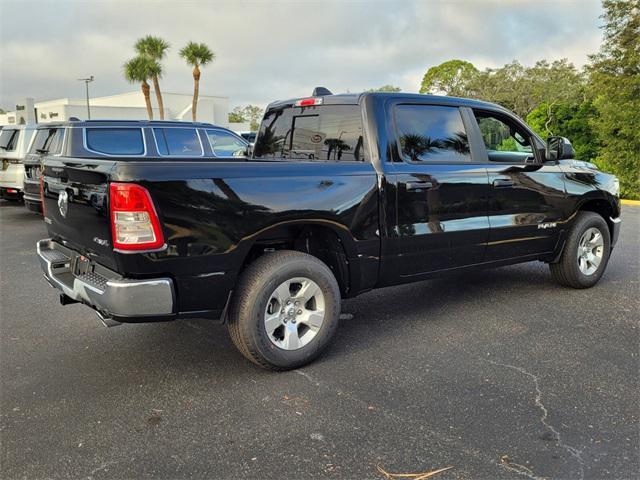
419,185
503,182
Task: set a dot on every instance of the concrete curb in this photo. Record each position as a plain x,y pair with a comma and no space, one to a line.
631,202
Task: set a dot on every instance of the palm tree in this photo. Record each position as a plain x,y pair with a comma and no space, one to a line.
196,55
140,69
156,49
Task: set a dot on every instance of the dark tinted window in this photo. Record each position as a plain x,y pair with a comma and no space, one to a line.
48,140
181,142
115,141
9,139
331,132
249,136
225,144
504,139
428,133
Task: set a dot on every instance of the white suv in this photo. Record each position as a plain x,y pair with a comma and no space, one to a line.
14,145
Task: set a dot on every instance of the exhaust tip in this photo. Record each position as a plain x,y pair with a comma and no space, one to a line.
107,321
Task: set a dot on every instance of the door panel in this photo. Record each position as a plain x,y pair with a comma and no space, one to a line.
442,217
526,212
441,197
526,195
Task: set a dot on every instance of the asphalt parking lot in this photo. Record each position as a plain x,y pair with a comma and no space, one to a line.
499,374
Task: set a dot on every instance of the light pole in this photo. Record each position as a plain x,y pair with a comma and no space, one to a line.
86,83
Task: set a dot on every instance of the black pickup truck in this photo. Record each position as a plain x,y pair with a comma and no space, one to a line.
342,194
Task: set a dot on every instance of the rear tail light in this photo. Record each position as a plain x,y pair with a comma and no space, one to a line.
134,222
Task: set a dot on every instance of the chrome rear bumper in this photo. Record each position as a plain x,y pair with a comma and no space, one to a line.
113,296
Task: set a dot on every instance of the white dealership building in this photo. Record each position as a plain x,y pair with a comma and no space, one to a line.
125,106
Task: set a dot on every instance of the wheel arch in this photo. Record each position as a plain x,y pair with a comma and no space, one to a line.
330,242
604,207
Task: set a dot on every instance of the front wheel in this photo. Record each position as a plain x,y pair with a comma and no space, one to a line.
585,254
285,310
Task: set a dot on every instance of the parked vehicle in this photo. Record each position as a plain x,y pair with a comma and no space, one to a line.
249,136
345,193
14,144
137,139
48,140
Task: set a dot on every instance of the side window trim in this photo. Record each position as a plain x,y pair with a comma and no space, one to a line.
396,136
85,145
476,144
155,140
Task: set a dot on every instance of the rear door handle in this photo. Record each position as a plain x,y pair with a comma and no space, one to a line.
503,182
419,185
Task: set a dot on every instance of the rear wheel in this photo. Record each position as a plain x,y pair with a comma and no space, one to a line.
585,254
285,310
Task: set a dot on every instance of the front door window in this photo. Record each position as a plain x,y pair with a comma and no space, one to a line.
504,140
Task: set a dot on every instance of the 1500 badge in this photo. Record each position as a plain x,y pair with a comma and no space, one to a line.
101,241
547,225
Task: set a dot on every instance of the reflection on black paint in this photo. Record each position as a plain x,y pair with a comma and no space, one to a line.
419,147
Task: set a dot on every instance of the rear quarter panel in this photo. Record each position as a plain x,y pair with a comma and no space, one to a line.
212,213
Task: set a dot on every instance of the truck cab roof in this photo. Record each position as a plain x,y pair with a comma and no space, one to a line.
356,98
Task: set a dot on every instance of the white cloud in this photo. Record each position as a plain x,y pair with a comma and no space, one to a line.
269,50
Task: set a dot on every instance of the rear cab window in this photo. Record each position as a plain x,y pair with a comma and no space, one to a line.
9,139
431,133
115,141
323,132
48,140
179,142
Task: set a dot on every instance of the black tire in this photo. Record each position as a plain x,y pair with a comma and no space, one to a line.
566,271
254,289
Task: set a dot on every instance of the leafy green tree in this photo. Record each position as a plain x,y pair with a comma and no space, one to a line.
450,78
254,115
141,69
385,88
615,88
249,113
197,55
155,48
522,89
571,120
237,115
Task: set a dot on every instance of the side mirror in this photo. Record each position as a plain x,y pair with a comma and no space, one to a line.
559,148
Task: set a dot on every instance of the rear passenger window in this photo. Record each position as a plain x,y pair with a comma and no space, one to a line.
115,141
429,133
180,142
331,132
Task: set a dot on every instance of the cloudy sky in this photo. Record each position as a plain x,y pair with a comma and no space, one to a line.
273,49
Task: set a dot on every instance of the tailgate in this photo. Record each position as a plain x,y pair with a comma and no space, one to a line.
76,206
